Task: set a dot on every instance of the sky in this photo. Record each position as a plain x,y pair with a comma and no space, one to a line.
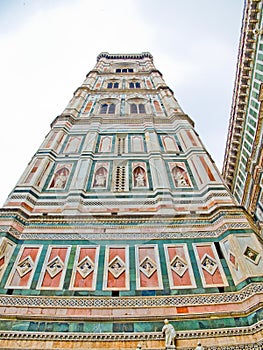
48,47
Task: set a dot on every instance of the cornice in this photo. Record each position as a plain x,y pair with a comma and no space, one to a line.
131,56
146,336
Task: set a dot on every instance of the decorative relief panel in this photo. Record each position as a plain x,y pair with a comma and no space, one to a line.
24,267
244,255
54,268
209,265
116,269
7,248
61,175
139,175
148,270
101,175
179,174
85,269
179,266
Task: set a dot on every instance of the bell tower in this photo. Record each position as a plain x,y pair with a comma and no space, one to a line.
122,220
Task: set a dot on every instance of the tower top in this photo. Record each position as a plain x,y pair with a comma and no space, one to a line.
125,56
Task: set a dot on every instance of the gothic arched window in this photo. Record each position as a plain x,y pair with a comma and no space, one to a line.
111,109
104,108
141,108
134,109
107,108
137,108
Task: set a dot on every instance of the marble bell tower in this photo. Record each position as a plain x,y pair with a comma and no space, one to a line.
122,220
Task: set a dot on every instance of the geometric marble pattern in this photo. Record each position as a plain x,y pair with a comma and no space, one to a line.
209,264
117,266
148,266
85,267
178,265
55,266
25,266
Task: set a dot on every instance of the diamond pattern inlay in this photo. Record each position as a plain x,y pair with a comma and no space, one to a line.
25,266
178,265
209,264
55,266
85,267
117,266
148,266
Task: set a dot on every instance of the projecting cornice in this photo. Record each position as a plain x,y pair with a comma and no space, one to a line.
136,56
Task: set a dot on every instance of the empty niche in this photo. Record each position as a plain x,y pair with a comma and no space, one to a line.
72,144
170,144
137,144
105,144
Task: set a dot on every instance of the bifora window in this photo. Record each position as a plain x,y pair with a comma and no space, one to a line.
135,85
107,108
137,108
113,85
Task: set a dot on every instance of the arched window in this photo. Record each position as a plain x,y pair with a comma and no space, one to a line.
104,108
134,109
109,86
111,109
116,85
137,108
107,108
135,85
141,108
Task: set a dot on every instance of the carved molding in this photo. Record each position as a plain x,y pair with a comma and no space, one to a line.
123,302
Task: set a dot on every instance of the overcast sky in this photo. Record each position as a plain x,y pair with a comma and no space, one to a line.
48,47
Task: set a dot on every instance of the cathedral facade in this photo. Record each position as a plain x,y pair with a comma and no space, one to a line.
122,220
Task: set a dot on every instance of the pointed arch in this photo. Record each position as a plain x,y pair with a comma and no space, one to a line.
100,177
139,177
180,177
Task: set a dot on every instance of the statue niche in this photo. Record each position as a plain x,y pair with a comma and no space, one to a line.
139,177
60,178
180,177
100,177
